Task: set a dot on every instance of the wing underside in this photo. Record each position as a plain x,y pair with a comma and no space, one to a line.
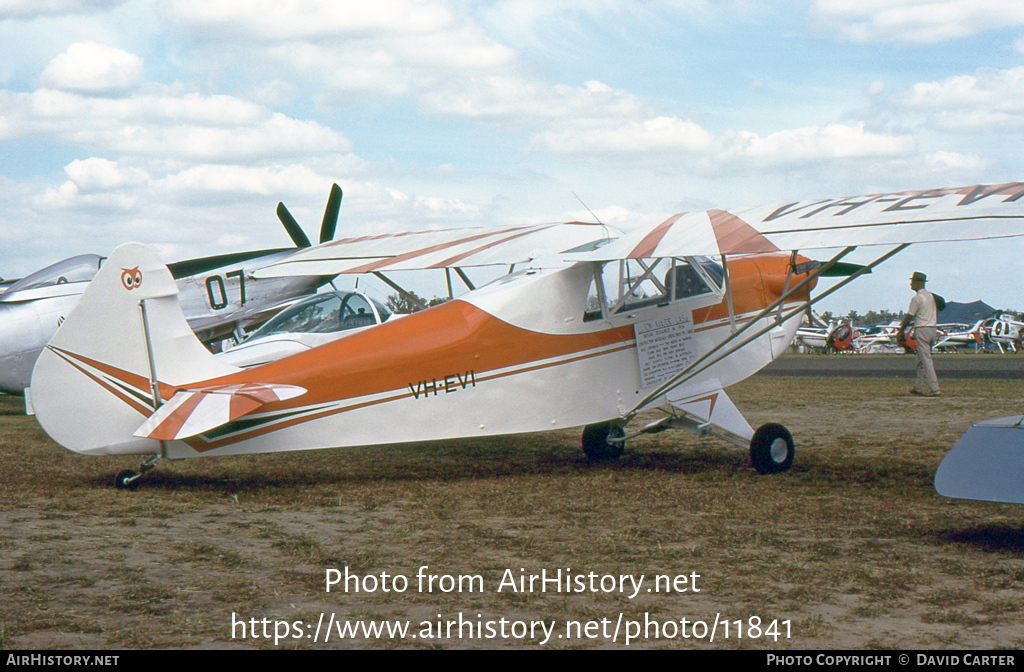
965,213
447,248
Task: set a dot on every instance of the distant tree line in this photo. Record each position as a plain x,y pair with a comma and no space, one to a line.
398,303
872,317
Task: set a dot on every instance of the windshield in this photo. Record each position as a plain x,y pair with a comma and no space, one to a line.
76,269
323,314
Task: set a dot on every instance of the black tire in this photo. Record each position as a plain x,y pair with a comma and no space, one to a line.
772,449
121,480
596,444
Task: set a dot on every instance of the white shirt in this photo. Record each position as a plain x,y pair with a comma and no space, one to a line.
922,307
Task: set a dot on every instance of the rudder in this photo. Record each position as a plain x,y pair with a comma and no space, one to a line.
91,386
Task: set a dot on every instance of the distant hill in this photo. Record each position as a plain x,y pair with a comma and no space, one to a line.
965,313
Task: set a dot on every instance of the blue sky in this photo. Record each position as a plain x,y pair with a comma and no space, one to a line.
182,123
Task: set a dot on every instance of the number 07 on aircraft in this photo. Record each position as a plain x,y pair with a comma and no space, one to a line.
588,329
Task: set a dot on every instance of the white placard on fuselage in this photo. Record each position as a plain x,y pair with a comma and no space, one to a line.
664,347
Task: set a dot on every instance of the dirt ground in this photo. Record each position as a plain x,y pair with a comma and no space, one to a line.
851,549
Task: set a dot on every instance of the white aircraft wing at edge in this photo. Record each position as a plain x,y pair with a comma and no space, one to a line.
444,248
964,213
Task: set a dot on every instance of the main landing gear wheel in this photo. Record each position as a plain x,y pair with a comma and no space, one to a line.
127,480
597,443
771,449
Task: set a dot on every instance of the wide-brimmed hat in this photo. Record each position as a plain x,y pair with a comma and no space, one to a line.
918,276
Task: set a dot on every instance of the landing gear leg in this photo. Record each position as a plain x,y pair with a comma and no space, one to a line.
129,480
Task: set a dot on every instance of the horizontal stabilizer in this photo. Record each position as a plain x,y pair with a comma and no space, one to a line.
987,463
709,403
192,412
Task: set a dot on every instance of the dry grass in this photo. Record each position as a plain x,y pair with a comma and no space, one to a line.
852,545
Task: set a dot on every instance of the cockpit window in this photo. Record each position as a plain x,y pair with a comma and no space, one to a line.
356,312
76,269
323,314
684,280
640,283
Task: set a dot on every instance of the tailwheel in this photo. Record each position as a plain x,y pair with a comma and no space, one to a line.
127,479
604,441
771,449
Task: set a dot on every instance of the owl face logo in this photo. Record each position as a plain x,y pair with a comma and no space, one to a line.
131,278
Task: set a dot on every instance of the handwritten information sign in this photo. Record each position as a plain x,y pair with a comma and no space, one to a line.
664,347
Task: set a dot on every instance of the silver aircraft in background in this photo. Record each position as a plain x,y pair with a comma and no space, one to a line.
218,294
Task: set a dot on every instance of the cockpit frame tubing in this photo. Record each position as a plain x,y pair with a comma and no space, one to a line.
693,369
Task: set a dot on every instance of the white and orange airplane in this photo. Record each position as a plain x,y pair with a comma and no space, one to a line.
589,328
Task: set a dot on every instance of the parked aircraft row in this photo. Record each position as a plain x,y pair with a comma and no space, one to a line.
1003,331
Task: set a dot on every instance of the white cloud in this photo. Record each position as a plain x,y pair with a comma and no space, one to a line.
987,100
273,93
652,141
96,174
163,124
88,67
244,180
286,20
954,162
813,144
915,21
23,9
521,100
386,47
656,135
434,206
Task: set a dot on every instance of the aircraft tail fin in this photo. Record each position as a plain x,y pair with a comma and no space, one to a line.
91,387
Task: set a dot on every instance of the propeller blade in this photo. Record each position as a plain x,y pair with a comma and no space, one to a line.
330,222
292,227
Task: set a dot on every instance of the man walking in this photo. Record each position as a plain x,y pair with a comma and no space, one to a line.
923,312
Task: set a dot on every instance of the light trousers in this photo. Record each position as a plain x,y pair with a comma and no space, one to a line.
925,337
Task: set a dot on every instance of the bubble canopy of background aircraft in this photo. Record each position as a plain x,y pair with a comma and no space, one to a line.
219,295
588,329
306,324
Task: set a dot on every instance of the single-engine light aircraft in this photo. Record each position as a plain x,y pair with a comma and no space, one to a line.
588,328
219,295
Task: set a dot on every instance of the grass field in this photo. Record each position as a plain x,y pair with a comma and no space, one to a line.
852,547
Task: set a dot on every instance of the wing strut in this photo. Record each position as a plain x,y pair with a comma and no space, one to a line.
696,367
648,273
728,296
407,295
465,278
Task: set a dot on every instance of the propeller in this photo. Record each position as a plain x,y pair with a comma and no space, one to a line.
330,222
327,228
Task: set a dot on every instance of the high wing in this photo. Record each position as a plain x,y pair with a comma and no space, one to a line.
444,248
934,215
964,213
